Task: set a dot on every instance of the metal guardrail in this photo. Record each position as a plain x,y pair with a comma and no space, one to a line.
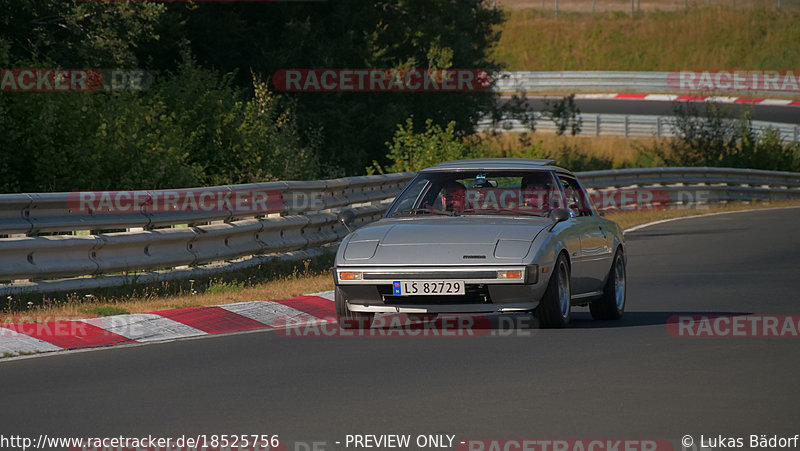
158,246
47,237
584,81
642,82
52,212
627,125
696,186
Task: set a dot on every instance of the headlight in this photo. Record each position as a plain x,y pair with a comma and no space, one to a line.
350,275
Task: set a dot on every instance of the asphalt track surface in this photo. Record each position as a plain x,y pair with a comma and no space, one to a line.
625,379
771,113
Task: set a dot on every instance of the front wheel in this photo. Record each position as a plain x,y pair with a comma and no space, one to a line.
554,308
612,304
348,319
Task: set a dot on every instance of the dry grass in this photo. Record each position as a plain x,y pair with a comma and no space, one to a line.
630,219
619,150
216,295
701,39
642,5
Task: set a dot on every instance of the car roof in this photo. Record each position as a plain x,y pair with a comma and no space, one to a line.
496,164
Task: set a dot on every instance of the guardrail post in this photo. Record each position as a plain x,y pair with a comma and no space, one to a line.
658,126
597,125
626,125
796,132
19,235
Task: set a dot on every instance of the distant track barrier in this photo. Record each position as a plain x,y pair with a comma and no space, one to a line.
630,126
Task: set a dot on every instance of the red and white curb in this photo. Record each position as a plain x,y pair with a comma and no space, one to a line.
164,325
687,98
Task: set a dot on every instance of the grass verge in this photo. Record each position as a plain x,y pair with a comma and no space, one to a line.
630,219
297,284
605,152
645,6
702,38
217,294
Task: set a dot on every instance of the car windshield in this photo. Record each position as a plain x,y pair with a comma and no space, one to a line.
507,193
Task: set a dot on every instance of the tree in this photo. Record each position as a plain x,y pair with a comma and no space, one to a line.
352,34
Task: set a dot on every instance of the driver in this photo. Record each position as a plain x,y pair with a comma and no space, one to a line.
453,196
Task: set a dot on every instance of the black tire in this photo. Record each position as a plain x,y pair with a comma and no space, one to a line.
348,319
422,317
611,305
552,312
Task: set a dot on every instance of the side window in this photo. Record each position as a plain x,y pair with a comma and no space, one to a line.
412,194
577,200
588,206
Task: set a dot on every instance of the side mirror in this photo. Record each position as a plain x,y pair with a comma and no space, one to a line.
346,217
559,215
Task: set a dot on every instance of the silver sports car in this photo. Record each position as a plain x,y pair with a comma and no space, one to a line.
472,236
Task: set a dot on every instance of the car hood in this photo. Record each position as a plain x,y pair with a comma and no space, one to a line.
460,240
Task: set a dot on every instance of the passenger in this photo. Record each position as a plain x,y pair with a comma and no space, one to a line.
536,190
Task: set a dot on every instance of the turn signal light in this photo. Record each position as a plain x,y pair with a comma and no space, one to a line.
512,274
349,275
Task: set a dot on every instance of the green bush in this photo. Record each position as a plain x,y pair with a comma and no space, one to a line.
567,156
190,128
711,135
565,114
411,151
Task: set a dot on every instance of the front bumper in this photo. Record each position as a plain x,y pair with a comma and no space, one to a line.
485,292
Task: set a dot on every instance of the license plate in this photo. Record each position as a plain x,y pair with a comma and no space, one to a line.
427,287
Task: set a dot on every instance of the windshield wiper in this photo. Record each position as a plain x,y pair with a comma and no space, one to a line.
423,210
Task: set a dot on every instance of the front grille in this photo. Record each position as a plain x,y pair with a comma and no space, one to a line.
474,294
458,275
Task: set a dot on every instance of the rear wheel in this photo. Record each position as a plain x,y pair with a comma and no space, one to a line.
346,318
554,308
612,304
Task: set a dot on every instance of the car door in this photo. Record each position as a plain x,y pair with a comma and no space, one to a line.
593,260
596,243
